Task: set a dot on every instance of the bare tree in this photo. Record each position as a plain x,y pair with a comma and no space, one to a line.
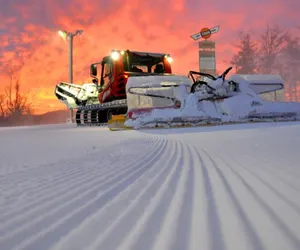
272,41
17,104
280,54
2,105
13,103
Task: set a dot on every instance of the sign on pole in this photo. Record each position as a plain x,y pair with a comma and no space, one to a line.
205,33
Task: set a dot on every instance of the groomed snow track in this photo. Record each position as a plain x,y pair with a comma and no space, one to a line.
219,188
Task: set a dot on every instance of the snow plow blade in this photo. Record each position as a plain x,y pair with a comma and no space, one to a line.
117,123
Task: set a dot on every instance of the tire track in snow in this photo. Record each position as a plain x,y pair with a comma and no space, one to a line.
289,173
143,234
84,175
148,214
276,193
39,234
46,168
38,171
49,195
37,184
281,179
32,194
185,217
56,171
293,174
171,217
52,197
199,234
285,230
109,221
177,224
65,195
141,160
253,238
290,170
216,241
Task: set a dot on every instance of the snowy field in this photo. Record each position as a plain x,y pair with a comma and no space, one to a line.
229,187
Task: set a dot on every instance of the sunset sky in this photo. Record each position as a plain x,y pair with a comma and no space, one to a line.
28,30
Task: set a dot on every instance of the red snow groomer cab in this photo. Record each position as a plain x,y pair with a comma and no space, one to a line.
119,65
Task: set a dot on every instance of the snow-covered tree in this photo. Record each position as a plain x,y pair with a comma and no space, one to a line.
244,60
276,51
287,64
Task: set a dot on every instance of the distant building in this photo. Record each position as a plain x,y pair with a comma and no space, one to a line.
207,57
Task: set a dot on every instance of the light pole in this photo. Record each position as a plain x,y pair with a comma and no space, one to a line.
65,34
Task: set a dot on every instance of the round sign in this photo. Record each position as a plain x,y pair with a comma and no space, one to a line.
205,33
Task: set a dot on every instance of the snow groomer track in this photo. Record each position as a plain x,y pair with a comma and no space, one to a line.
219,188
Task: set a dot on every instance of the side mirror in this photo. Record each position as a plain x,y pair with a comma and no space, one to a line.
93,70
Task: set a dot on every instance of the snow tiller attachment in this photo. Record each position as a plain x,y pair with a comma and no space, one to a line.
203,99
74,95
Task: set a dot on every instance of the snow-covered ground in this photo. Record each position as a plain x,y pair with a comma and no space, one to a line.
228,187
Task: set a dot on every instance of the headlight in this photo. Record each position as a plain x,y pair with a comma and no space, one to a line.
169,58
115,55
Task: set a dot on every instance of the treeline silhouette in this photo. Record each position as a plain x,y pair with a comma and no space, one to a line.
274,50
16,110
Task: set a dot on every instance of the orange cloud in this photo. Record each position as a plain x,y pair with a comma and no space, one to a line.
31,40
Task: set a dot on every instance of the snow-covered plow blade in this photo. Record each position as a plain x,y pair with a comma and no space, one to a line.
176,101
74,95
